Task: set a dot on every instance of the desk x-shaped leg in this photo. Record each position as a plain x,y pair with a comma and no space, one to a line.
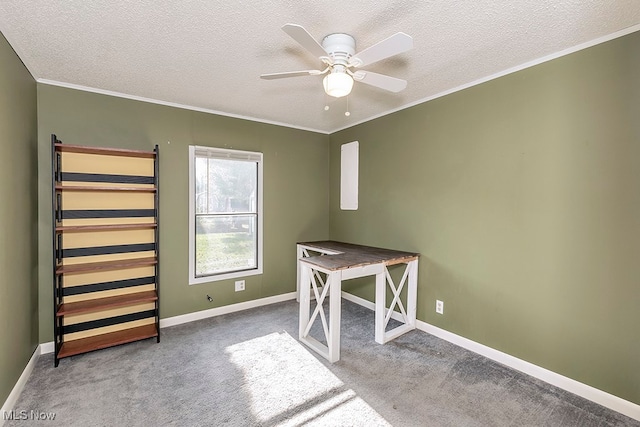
310,279
383,314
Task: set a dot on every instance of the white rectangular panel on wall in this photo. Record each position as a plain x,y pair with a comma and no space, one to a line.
349,176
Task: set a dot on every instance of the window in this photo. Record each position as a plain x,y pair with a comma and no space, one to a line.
225,214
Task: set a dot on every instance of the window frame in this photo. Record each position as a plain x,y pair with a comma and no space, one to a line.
222,154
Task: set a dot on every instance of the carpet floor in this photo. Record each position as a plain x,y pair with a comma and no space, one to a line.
248,369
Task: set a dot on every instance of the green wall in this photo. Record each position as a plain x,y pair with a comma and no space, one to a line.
296,190
18,206
523,196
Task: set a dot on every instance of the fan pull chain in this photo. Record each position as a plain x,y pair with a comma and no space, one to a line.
347,113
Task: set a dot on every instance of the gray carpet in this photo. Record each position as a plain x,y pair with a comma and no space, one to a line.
247,369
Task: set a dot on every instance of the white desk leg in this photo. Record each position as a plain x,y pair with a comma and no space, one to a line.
381,305
335,295
412,293
299,254
305,297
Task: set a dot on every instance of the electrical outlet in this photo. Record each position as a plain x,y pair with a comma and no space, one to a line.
239,285
439,306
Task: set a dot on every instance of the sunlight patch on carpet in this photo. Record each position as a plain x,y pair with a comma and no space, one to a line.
286,385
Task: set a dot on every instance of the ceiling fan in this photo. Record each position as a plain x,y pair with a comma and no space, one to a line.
337,53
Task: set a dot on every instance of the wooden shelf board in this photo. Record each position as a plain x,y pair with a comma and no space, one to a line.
68,148
105,227
107,303
83,345
88,188
106,265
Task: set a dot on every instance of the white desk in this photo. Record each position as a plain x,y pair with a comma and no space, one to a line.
342,261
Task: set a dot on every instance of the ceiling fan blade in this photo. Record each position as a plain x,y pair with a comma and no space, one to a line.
381,81
397,43
284,75
306,40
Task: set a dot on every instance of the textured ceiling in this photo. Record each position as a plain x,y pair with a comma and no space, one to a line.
208,54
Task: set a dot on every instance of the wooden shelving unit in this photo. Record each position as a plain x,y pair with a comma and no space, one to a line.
105,247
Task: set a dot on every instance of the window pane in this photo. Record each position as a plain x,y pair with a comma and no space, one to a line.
201,195
225,186
225,243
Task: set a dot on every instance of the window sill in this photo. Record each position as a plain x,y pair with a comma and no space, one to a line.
225,276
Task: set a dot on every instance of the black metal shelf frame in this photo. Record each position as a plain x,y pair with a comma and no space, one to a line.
60,253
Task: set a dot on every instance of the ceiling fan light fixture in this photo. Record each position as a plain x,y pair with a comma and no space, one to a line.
337,84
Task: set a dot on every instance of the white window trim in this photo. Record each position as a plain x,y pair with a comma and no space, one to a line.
231,154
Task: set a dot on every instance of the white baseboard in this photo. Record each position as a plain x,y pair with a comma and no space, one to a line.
600,397
47,347
219,311
9,404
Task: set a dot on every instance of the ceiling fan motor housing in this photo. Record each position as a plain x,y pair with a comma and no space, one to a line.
340,47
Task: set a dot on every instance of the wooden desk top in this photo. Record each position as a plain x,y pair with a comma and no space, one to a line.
354,255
